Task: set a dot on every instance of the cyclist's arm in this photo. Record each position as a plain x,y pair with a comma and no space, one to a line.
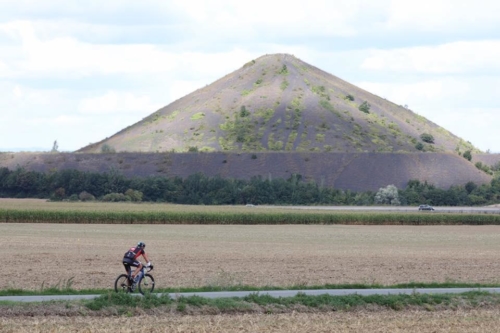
145,256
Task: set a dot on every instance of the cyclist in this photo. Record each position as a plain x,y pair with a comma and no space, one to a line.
130,259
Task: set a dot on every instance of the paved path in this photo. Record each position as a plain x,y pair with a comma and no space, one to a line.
273,293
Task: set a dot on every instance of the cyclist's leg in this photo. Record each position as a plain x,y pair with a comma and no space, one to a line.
127,267
137,264
128,263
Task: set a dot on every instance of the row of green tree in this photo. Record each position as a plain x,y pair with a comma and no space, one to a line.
200,189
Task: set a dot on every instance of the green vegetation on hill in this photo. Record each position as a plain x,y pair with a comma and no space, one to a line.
298,98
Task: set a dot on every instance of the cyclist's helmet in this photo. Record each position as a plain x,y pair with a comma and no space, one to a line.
141,245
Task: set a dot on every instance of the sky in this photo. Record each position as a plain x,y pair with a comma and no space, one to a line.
76,72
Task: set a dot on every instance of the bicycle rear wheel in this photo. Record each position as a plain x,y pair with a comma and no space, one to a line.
122,284
147,284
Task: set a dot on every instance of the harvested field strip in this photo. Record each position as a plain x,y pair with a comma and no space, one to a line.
369,321
225,256
245,218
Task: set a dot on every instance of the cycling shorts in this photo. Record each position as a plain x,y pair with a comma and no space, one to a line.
130,262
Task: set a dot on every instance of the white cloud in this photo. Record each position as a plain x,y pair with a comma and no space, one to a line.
17,92
97,59
457,57
296,17
118,102
3,68
471,124
428,92
69,57
65,120
442,15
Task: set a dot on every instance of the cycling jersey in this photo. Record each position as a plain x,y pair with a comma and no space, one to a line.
134,253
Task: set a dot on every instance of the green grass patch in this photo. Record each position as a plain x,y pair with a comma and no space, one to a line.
197,116
244,217
128,301
324,302
284,84
51,291
173,115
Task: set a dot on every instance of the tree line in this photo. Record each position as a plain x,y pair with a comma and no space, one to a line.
199,189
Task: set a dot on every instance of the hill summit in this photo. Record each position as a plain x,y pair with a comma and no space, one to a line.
280,103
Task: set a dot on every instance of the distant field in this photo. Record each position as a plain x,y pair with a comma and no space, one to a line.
42,204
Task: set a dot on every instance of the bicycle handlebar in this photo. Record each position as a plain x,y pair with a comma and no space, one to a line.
144,267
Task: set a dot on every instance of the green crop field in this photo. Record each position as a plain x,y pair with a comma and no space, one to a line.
39,211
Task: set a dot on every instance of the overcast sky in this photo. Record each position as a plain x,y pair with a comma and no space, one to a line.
80,71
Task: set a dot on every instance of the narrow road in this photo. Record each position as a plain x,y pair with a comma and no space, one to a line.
273,293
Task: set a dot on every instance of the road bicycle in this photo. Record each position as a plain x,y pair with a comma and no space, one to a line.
145,284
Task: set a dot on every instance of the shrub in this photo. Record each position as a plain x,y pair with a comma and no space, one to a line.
284,70
419,146
73,197
244,112
349,97
483,167
388,196
85,196
470,186
467,155
106,149
426,137
59,193
115,197
134,195
193,149
364,107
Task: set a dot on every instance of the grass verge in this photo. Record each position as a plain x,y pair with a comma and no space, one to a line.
269,304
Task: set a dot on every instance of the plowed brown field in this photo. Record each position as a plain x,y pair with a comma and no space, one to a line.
363,321
36,255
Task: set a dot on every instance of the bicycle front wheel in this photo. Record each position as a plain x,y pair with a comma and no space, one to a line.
122,284
147,284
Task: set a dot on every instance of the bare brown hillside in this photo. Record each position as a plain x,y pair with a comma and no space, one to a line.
280,103
348,171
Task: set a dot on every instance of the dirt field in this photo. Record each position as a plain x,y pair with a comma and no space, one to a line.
47,254
37,255
373,322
